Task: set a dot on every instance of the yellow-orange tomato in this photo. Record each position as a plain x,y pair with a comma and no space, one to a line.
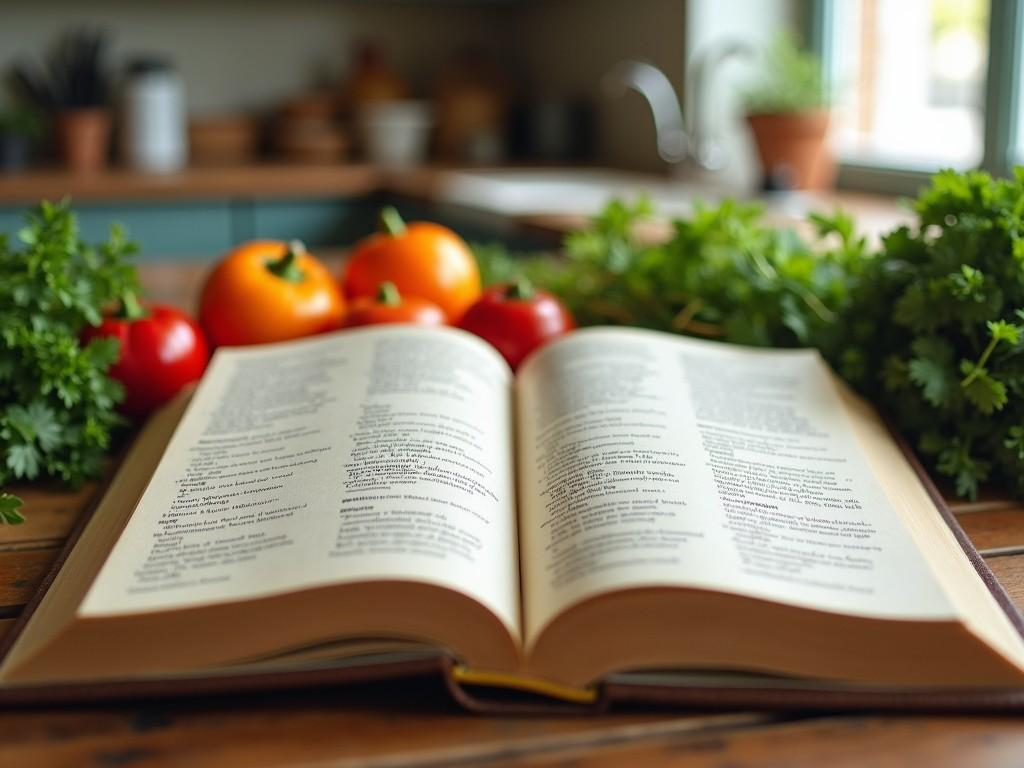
422,259
267,290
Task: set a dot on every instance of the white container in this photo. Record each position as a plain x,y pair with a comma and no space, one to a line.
395,133
154,131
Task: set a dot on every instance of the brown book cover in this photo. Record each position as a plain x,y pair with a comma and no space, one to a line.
704,691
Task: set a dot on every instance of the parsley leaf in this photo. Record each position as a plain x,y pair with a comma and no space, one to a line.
981,390
931,369
9,505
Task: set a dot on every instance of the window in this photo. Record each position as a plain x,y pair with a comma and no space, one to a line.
921,85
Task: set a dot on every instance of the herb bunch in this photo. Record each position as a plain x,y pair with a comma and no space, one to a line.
57,405
935,332
791,80
725,273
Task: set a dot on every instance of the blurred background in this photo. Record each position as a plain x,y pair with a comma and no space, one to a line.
271,119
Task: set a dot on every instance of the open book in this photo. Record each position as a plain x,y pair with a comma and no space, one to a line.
630,503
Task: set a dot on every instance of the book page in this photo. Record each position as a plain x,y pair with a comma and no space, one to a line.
371,454
652,460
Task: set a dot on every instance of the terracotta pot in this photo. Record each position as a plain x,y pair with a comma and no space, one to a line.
83,138
793,149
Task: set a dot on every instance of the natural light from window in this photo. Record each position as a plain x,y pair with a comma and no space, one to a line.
909,81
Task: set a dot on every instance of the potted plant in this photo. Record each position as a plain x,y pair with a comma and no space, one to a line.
74,89
787,110
20,127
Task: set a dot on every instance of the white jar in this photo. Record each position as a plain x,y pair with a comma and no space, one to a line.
154,133
395,133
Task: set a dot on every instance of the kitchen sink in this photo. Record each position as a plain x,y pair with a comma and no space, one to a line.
585,191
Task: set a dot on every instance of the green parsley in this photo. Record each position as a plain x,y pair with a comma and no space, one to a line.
57,405
724,274
936,329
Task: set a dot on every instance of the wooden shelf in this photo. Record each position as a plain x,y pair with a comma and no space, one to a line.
276,180
284,181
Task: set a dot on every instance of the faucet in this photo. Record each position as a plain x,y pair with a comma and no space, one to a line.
679,137
651,83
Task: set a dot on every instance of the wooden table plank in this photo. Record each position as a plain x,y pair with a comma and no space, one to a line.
50,514
1009,569
843,742
994,530
20,574
407,723
5,626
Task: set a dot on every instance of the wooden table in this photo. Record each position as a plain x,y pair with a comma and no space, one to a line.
414,723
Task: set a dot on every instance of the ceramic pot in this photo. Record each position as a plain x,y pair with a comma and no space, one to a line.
83,138
793,149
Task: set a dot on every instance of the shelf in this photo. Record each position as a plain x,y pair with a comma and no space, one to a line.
243,192
268,180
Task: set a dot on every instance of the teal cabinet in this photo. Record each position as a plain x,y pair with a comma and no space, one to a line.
202,230
185,231
332,222
194,231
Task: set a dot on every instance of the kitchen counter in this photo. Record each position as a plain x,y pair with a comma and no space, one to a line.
552,199
874,214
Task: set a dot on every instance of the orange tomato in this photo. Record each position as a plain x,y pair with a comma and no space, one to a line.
267,290
389,306
422,259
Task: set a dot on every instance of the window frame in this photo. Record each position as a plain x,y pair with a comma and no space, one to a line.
1001,115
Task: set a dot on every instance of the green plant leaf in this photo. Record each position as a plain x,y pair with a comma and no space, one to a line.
9,506
23,459
981,390
791,80
931,369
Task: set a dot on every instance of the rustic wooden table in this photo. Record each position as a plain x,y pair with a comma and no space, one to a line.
414,723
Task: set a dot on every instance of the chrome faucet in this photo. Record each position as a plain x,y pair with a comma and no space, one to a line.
679,137
651,83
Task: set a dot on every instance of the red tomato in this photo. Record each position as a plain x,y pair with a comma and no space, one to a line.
517,319
162,350
388,306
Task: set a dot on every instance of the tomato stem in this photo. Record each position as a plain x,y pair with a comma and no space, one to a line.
391,221
286,267
521,290
131,309
388,295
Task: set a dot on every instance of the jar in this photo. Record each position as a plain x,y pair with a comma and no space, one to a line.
395,133
154,132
